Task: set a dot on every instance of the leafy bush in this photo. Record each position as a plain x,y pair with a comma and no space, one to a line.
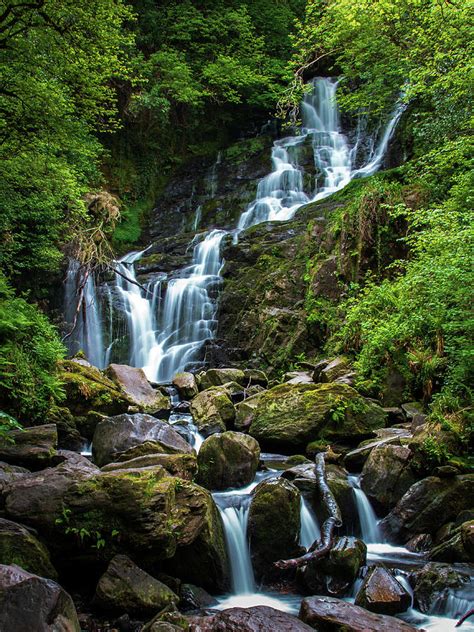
29,351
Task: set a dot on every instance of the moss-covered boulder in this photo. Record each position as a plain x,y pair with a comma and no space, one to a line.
290,416
433,581
336,572
458,546
186,385
126,588
273,525
180,465
144,513
136,435
19,546
218,377
334,370
212,410
387,475
33,447
133,382
228,460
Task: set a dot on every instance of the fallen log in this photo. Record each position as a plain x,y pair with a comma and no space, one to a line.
319,548
468,614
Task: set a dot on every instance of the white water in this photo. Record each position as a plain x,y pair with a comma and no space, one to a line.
370,531
310,531
168,322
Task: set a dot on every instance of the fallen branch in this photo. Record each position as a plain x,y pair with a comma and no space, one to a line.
129,279
320,548
468,614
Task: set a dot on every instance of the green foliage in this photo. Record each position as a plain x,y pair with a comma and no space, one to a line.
29,351
7,423
94,538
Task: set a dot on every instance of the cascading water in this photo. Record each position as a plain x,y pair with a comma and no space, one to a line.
310,531
370,531
168,321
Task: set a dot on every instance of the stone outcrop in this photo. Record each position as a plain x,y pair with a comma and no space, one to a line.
133,382
212,410
186,385
33,447
382,593
180,465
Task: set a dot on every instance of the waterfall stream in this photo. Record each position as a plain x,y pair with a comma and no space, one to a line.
167,321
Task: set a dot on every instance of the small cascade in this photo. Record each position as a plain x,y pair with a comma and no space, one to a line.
370,531
82,313
310,531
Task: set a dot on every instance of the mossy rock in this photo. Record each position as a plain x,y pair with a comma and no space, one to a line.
88,389
273,525
212,410
228,460
19,546
290,416
180,465
219,377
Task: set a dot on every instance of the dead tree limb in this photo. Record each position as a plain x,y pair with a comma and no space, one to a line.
320,548
468,614
129,279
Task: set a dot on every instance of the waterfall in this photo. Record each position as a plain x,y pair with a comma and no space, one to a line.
167,322
84,320
370,531
235,518
310,531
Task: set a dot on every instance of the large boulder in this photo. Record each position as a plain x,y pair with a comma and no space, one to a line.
382,593
255,619
327,614
355,459
144,513
212,410
128,434
336,572
124,587
458,546
34,604
434,581
218,377
228,460
133,382
335,369
387,475
186,385
429,504
290,416
19,546
9,474
273,525
180,465
33,447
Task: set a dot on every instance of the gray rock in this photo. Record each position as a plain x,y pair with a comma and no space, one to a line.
212,410
382,593
256,619
186,385
133,382
124,587
29,603
33,447
433,581
20,546
116,435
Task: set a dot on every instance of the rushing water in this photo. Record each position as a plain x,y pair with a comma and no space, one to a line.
166,322
368,521
310,531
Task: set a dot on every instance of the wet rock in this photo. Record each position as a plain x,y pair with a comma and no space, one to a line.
343,493
212,410
457,547
133,382
33,447
335,369
20,546
124,587
336,572
382,593
181,465
432,581
273,525
411,409
9,474
186,385
255,619
290,416
245,412
298,377
427,505
355,459
420,543
218,377
115,436
395,415
387,475
195,598
228,460
302,476
327,614
34,604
